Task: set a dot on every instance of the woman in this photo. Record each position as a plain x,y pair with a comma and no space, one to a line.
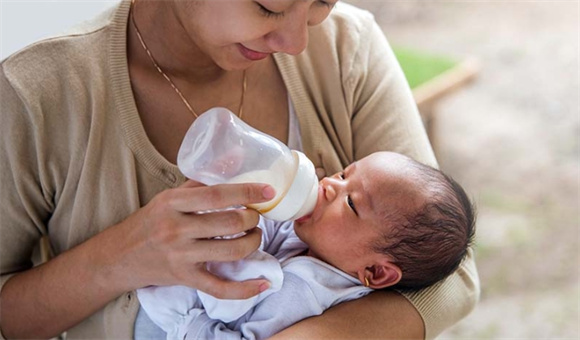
91,123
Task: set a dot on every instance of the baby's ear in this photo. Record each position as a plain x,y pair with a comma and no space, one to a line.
381,275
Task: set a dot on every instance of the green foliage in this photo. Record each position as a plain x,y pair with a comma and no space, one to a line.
419,67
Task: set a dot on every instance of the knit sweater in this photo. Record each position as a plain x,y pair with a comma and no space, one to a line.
75,158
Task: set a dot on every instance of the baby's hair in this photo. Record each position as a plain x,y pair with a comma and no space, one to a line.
430,243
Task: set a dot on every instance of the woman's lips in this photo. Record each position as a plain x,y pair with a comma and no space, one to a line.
251,54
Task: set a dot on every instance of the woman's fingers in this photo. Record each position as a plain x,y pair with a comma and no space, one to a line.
220,223
226,289
225,249
171,242
191,198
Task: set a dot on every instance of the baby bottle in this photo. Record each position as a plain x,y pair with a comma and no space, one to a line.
220,148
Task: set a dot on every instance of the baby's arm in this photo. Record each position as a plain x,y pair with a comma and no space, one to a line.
294,302
168,306
309,288
203,327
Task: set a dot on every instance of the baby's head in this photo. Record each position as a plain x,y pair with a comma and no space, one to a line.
390,221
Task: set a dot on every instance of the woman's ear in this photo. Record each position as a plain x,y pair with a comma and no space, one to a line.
381,275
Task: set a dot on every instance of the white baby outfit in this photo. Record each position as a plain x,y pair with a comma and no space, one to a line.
307,287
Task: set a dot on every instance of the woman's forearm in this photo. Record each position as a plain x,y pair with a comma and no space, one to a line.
49,299
380,315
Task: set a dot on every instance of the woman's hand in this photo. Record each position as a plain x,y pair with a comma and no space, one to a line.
168,241
165,242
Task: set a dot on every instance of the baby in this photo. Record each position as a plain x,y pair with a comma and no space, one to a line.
385,221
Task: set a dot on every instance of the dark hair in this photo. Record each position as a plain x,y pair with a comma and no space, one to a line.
429,243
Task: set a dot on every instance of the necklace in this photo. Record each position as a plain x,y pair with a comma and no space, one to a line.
175,88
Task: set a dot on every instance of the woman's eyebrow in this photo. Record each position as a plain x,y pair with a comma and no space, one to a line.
279,4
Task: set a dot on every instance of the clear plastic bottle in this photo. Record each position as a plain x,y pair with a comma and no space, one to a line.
220,148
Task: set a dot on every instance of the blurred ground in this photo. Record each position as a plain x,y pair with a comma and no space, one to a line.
512,139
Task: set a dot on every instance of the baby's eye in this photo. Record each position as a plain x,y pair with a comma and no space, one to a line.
351,204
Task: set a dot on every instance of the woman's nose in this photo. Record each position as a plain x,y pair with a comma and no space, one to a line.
291,37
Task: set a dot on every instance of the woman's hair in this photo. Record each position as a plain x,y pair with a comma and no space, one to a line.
428,244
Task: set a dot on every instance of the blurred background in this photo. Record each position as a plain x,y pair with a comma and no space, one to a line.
503,106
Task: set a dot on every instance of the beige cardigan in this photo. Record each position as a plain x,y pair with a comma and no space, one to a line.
75,158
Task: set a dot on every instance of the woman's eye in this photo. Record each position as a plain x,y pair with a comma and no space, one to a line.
351,204
327,4
341,175
268,13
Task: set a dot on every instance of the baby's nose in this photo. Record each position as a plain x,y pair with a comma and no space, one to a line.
329,185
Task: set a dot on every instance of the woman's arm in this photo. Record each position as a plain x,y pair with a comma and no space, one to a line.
380,315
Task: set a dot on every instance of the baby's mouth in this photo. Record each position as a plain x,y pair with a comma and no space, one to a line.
303,218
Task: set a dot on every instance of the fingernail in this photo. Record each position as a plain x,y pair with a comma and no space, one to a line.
264,286
268,192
